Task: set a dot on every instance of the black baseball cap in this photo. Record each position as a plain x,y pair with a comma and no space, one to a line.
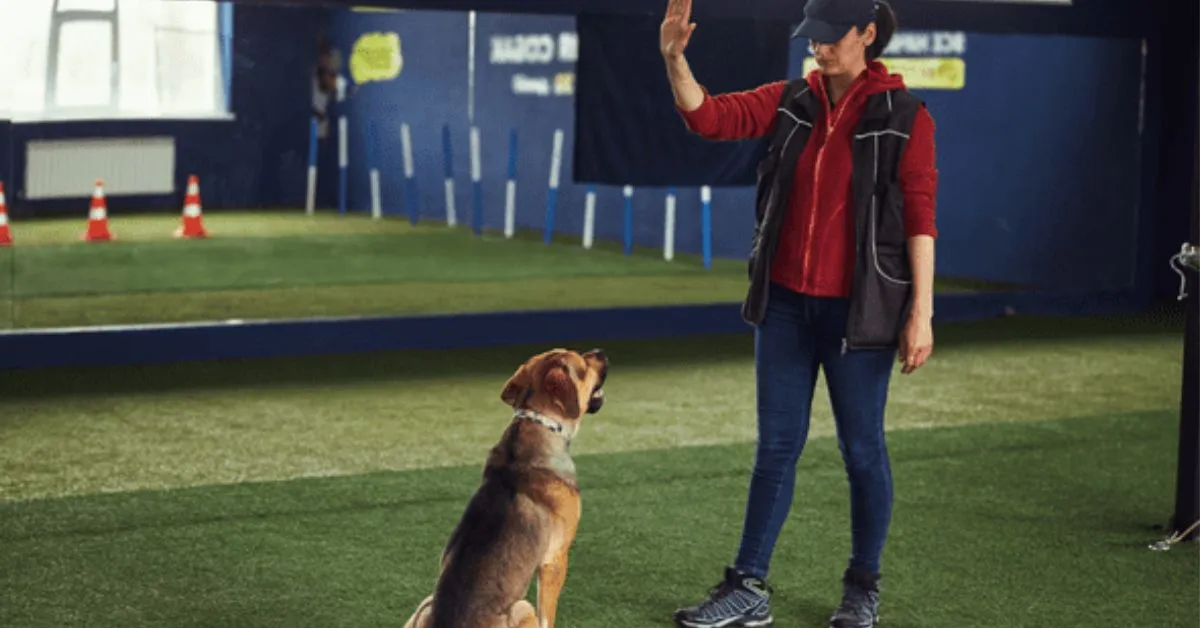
828,21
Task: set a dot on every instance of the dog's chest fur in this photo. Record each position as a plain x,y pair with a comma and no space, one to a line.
535,448
558,461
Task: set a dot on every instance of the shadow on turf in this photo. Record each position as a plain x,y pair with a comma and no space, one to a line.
806,612
178,508
812,612
499,361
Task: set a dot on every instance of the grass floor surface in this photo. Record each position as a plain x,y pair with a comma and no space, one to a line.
1033,459
261,265
995,525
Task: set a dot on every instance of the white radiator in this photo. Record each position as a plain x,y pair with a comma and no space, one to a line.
127,165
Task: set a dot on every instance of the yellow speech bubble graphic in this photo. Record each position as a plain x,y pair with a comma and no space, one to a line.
948,73
376,57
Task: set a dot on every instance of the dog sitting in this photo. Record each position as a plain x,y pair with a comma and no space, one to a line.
522,519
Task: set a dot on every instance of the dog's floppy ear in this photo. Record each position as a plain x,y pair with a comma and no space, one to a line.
516,386
560,388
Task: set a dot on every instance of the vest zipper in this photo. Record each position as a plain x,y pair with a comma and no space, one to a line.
831,124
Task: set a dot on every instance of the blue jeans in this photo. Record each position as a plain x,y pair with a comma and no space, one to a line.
799,334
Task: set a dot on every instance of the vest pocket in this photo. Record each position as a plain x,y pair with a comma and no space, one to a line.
886,281
888,240
879,325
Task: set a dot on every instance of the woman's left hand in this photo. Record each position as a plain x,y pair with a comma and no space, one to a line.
916,343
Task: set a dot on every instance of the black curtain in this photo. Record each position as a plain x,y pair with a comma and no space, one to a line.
1173,92
627,129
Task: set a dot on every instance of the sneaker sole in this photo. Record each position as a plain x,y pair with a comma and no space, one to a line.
731,623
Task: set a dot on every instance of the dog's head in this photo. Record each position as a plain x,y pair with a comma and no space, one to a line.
560,383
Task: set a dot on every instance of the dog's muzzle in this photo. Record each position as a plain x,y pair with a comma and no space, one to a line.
596,401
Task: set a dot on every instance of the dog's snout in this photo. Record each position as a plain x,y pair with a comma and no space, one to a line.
599,353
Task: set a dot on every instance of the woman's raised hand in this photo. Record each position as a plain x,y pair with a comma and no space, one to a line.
676,28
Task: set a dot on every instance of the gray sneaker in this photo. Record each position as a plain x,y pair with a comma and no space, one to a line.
739,601
860,601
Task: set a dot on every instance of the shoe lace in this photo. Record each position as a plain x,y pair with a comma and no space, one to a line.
858,602
717,597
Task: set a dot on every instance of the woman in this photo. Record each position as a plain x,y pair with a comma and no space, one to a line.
841,281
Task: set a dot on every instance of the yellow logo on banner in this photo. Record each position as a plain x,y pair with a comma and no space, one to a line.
376,57
921,72
564,83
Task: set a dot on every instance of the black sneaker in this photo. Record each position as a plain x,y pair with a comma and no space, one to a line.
860,601
740,601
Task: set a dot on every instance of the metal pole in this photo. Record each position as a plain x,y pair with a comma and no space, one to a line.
1187,476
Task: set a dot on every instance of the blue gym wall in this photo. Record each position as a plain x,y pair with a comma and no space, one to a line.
1039,153
1039,162
431,91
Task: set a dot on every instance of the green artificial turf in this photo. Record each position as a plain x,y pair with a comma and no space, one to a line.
1008,525
287,265
1033,460
247,263
84,430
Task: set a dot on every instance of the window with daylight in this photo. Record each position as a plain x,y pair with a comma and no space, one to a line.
112,59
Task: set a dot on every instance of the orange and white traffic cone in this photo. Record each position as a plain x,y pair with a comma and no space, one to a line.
98,216
193,223
5,232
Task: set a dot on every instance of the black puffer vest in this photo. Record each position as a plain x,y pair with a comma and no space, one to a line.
881,289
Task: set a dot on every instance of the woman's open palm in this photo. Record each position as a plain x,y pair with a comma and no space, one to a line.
676,28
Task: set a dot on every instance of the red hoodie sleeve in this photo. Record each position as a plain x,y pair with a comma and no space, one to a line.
919,177
736,115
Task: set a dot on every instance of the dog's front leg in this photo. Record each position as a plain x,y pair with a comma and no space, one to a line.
551,577
552,573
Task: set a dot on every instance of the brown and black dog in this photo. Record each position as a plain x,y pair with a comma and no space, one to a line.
522,519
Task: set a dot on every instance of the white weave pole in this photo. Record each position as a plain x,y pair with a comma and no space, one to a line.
343,161
310,193
376,203
669,226
552,194
510,187
476,184
589,217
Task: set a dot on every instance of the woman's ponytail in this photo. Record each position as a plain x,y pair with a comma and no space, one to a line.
885,27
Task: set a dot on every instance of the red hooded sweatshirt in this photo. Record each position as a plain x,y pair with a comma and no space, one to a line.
815,255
